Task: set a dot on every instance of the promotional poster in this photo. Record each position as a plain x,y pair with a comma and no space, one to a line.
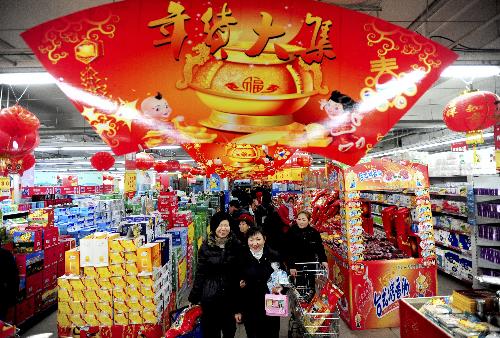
296,73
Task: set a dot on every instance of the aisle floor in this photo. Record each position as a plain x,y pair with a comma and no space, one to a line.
48,327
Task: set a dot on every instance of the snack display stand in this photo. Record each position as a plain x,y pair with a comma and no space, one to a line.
373,286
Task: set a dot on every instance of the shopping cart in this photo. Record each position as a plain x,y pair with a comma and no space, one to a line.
311,278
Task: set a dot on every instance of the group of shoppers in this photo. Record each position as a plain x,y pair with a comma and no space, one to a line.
236,262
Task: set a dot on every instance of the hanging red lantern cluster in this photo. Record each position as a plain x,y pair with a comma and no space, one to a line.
173,165
185,168
17,165
102,161
471,111
144,161
18,132
160,166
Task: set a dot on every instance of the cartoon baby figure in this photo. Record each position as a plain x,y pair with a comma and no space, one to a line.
156,107
344,120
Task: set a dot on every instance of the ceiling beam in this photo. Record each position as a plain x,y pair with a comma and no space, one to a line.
475,30
455,16
426,14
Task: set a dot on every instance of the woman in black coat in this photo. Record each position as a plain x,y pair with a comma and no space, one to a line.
255,271
215,284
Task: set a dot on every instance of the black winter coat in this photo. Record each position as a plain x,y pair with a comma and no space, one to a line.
216,280
255,273
304,245
9,281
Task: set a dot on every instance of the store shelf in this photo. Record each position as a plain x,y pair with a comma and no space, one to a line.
487,220
483,263
488,279
486,198
453,231
16,214
376,213
390,204
449,213
487,242
463,252
446,195
461,278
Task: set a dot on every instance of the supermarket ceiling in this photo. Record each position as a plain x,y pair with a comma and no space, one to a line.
470,27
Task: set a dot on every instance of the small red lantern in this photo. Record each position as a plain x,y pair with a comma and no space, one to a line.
18,131
173,165
471,111
160,166
185,168
102,161
304,160
144,161
28,162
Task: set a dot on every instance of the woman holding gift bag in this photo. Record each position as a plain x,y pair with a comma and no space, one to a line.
215,285
256,267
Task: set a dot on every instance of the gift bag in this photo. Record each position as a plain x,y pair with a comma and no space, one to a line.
276,305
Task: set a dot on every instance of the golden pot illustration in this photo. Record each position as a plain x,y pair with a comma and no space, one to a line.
243,155
249,94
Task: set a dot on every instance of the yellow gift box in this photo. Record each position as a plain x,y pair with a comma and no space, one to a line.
105,319
147,291
135,306
91,307
149,317
91,296
118,282
146,280
91,319
90,272
120,295
63,295
115,246
63,319
78,296
120,307
131,244
104,284
104,295
72,262
76,307
76,284
121,318
131,269
116,258
63,307
130,257
134,317
76,320
132,281
148,304
117,270
133,293
63,283
148,257
105,307
103,272
90,283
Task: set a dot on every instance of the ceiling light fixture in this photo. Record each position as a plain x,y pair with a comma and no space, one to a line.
90,148
464,71
167,147
26,78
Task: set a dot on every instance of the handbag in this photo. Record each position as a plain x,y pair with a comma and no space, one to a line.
276,305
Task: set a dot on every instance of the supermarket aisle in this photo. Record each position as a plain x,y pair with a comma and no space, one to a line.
47,328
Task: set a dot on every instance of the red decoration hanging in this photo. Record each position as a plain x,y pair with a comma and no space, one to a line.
18,131
185,168
28,162
471,111
144,161
102,161
160,166
173,165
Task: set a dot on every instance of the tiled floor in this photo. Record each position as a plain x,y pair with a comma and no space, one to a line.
47,327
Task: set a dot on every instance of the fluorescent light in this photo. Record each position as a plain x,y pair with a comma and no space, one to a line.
89,148
167,147
423,146
26,78
317,167
184,161
460,72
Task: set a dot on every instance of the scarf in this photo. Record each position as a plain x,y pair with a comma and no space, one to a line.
219,242
258,254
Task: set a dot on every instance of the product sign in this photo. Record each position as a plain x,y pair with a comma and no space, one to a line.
213,183
297,73
130,185
67,190
90,178
32,191
43,178
459,147
497,145
4,187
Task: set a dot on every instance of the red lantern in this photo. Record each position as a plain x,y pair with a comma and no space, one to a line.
471,111
185,168
102,161
18,131
144,161
28,162
160,166
173,165
304,160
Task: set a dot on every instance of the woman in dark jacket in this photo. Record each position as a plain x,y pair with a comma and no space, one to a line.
216,284
9,282
255,271
304,245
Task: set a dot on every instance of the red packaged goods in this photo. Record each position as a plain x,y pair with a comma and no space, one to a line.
388,222
60,269
69,242
50,257
49,276
41,217
31,263
185,322
27,241
59,252
34,284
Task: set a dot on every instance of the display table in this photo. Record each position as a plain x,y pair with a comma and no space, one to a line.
414,324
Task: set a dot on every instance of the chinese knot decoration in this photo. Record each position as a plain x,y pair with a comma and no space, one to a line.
144,161
102,161
18,132
17,165
471,111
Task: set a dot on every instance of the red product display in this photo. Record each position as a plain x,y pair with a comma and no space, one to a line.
69,242
50,257
34,284
402,222
388,222
185,322
49,276
60,269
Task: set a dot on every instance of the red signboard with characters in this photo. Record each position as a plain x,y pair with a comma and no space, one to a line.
296,73
459,147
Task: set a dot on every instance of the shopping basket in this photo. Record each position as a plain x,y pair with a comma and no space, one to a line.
305,320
